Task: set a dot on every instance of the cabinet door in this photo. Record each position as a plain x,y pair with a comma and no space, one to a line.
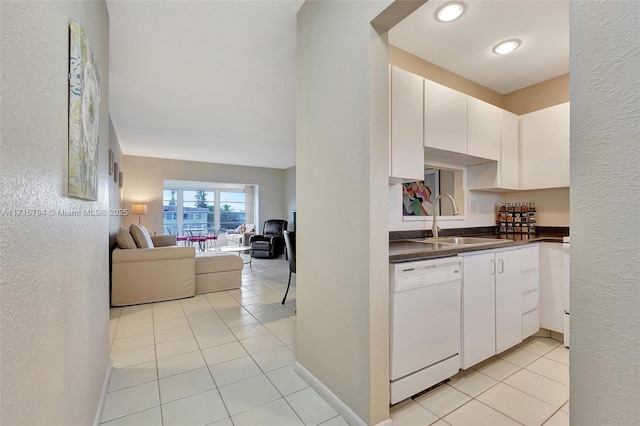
505,174
508,300
483,129
551,275
509,166
478,312
407,149
544,144
445,118
530,285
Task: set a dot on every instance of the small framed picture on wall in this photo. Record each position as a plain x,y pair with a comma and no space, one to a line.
115,172
120,180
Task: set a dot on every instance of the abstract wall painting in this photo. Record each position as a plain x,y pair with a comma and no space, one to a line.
84,99
418,197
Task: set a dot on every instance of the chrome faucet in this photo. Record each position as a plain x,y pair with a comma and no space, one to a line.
434,229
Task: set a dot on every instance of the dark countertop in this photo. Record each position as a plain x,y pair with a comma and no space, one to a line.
407,250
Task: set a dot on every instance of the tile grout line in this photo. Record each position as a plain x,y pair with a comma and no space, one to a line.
261,322
155,351
502,381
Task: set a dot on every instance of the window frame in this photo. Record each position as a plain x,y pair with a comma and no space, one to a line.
179,225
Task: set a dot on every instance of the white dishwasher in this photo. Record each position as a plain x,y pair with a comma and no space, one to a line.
425,324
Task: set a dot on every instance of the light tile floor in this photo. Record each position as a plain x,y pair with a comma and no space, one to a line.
227,359
222,358
526,385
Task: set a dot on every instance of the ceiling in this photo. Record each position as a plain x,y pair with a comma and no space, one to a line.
214,81
464,46
210,81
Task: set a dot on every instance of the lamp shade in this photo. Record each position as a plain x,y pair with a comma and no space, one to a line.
138,209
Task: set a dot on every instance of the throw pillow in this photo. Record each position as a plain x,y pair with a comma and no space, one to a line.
125,240
141,236
240,229
250,227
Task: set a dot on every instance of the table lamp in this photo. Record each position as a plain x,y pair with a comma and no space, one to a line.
138,209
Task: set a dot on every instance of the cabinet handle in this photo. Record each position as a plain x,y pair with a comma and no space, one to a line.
500,266
492,267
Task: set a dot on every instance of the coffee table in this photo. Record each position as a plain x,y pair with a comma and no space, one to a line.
239,250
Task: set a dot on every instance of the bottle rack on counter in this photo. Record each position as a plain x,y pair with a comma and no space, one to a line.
517,218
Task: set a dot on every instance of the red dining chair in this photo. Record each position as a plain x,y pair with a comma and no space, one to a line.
181,238
195,236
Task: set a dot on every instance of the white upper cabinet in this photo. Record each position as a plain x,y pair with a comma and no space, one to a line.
509,165
483,129
505,174
503,152
445,118
407,149
544,145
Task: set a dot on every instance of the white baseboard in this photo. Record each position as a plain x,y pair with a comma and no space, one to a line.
387,422
103,397
335,402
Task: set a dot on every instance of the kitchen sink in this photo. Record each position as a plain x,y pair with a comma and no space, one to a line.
462,241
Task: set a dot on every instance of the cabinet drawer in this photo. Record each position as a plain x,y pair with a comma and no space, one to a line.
530,301
530,323
530,281
530,257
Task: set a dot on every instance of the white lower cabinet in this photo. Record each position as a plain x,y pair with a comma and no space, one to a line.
500,301
530,285
508,300
551,275
492,304
479,308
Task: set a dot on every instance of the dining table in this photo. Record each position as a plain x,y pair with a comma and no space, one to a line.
198,235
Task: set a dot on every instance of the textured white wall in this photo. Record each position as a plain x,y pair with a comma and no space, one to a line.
341,165
290,193
485,214
552,204
605,232
115,192
54,292
144,178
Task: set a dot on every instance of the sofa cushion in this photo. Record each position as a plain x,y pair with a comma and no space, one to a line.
141,236
236,238
240,229
250,227
208,263
125,240
165,240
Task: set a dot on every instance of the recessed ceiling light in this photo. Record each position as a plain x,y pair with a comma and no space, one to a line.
449,12
506,47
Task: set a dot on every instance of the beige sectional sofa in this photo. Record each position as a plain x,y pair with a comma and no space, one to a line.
163,271
240,236
217,272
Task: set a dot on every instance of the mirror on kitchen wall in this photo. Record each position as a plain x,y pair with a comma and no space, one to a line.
418,197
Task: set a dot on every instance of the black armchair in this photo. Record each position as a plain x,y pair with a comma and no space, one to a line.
270,244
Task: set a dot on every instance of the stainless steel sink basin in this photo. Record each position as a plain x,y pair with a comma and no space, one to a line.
461,241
